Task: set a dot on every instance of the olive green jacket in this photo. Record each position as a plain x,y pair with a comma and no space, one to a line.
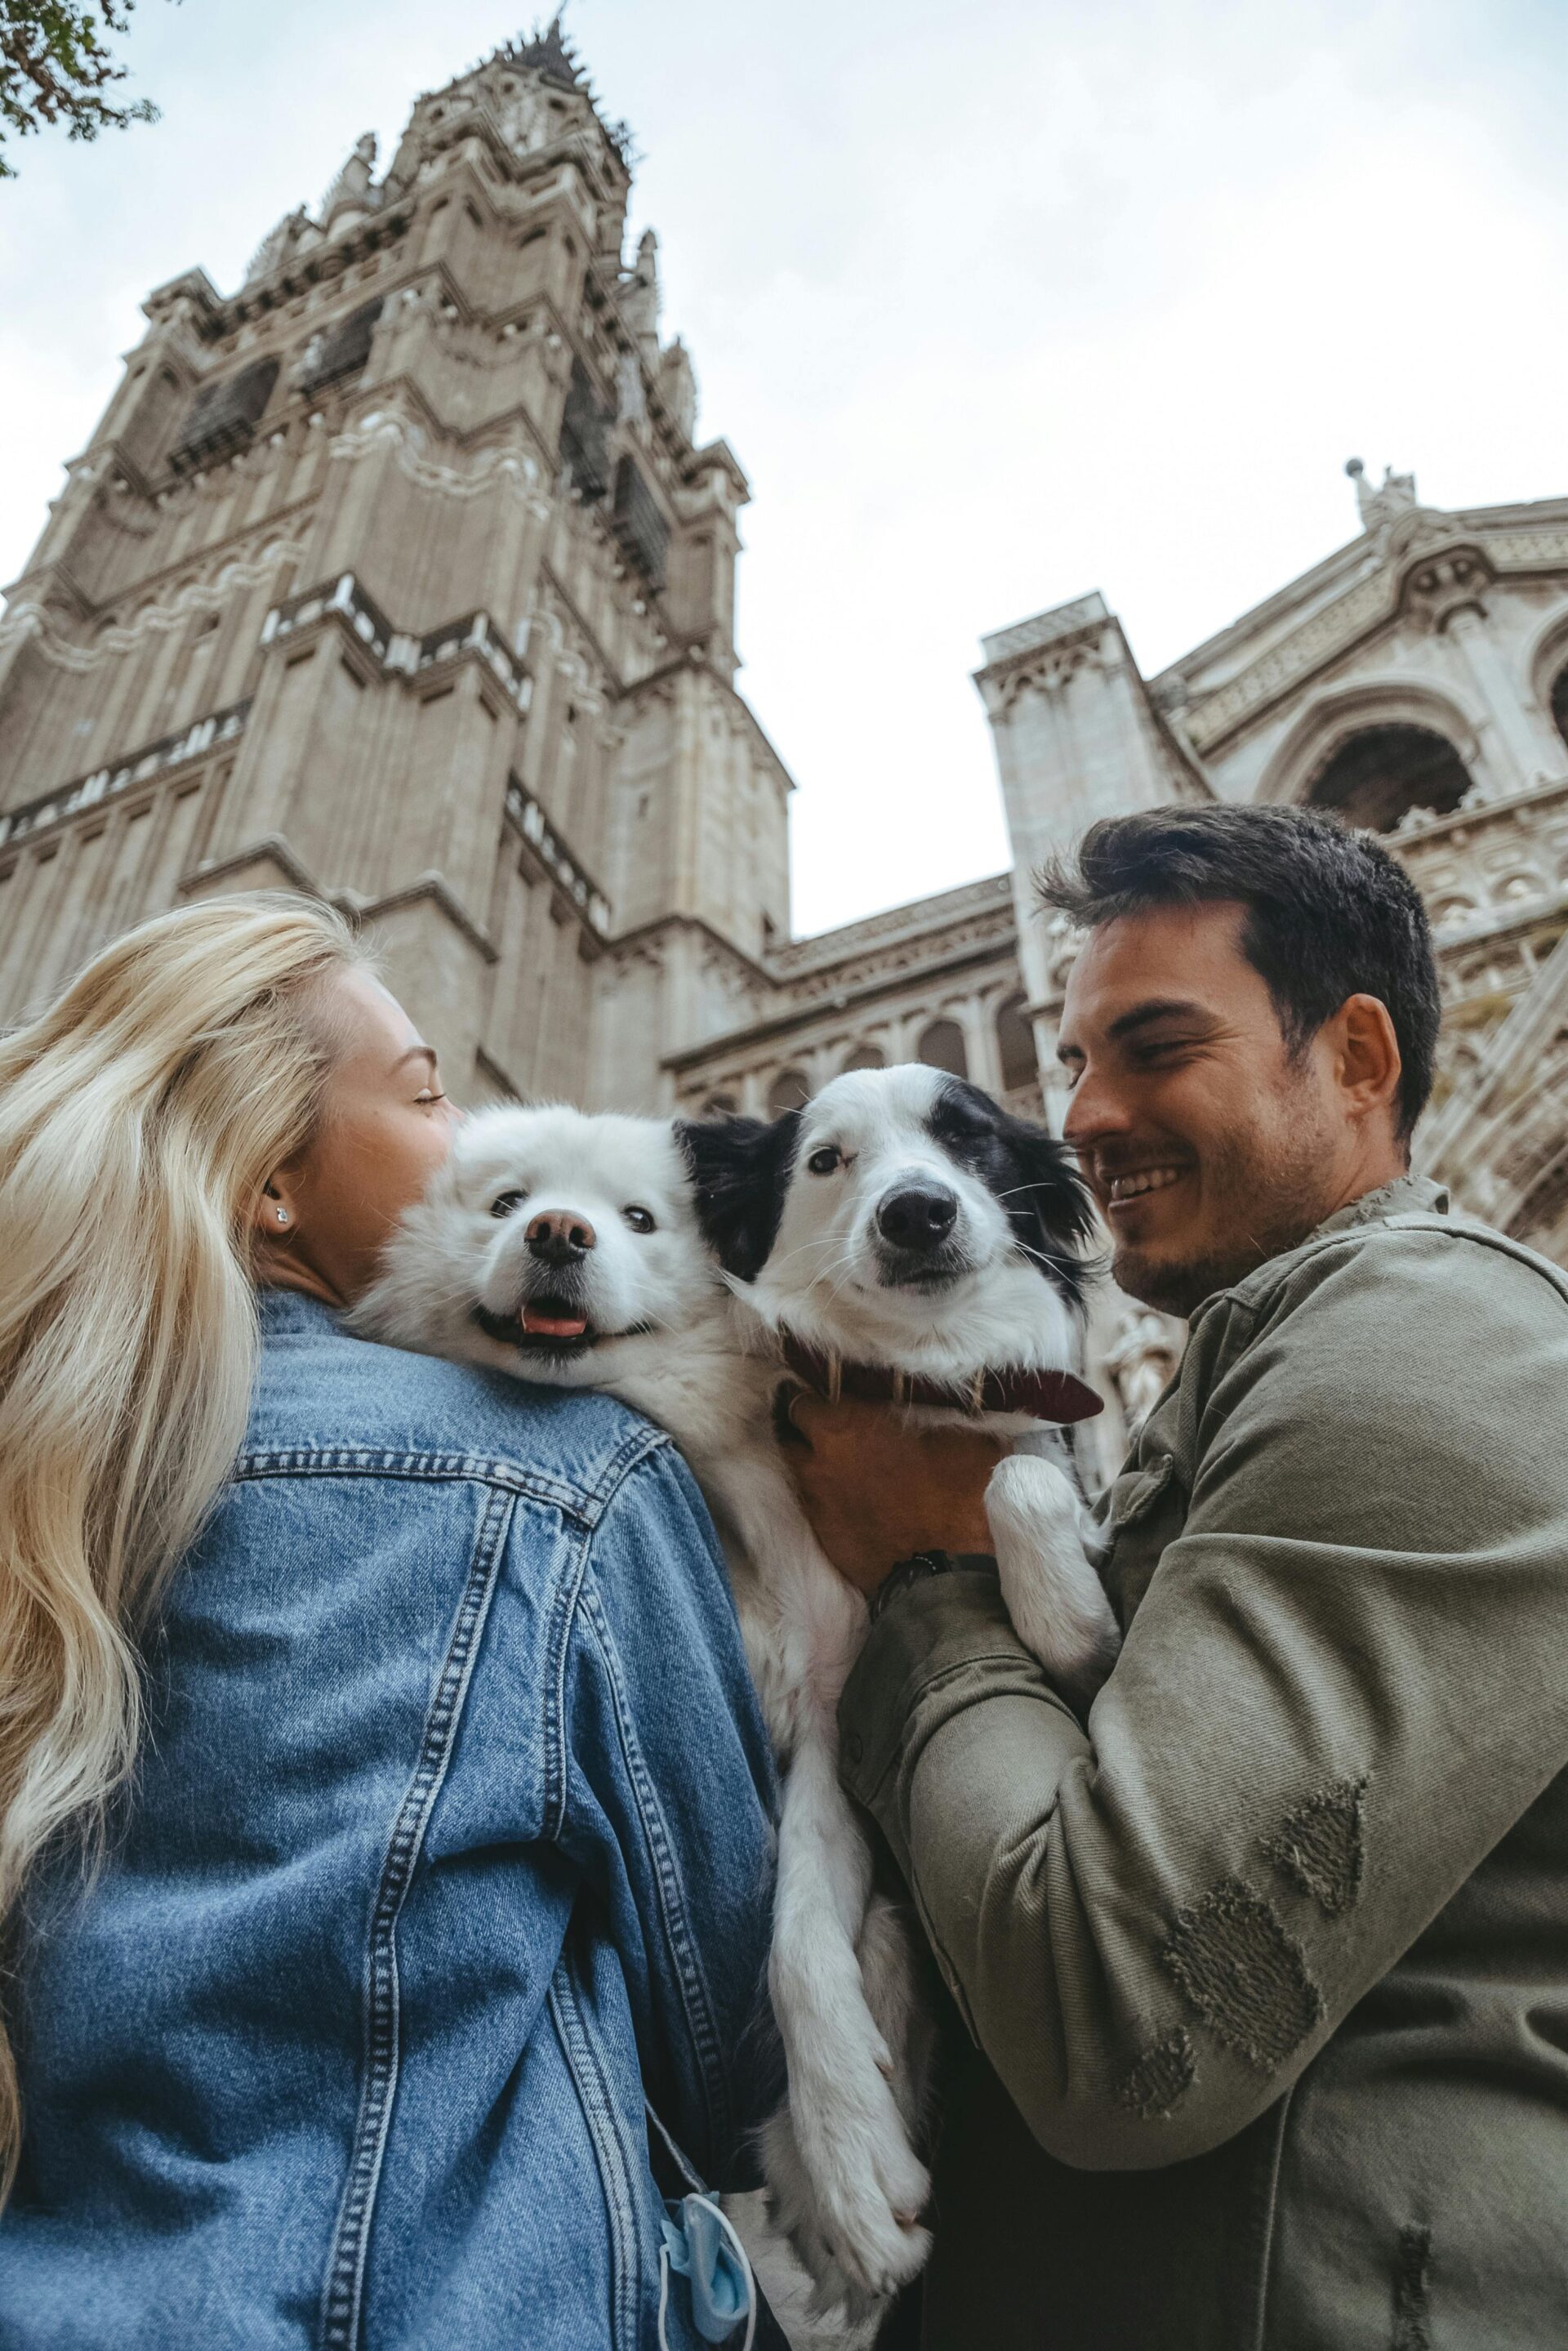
1272,1960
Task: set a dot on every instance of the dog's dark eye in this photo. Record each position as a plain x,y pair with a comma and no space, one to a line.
824,1162
639,1219
505,1202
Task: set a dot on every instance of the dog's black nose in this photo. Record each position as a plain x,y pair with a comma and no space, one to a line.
917,1216
556,1236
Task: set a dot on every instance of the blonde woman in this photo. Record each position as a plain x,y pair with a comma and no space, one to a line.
354,1877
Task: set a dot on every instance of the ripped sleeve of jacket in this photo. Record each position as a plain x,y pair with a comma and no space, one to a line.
1344,1685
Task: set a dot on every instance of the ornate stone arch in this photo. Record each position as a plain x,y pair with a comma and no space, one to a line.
1331,719
791,1089
1546,667
942,1045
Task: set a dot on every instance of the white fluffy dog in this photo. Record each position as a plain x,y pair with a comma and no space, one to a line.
900,1227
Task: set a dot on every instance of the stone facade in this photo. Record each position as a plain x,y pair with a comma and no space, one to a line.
1416,681
398,574
401,575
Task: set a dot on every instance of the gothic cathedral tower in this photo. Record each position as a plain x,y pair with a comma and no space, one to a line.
399,576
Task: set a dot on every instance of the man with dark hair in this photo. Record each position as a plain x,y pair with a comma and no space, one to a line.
1263,1969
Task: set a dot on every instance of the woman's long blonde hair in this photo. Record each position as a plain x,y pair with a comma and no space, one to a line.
141,1118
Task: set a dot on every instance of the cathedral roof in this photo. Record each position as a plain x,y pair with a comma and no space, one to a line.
549,53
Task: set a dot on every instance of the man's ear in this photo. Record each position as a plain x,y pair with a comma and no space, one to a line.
740,1173
1051,1208
1370,1064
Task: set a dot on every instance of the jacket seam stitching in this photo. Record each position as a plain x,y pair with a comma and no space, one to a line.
1253,1301
615,2166
343,2289
695,1998
640,1444
587,1503
1271,2214
564,1614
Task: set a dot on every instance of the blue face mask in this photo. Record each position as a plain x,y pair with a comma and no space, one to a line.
700,2246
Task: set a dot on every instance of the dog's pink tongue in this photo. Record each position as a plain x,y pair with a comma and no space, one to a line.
540,1325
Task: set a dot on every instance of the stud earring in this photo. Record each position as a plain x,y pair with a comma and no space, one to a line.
282,1216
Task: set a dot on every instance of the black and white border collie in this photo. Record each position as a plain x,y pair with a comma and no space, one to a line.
901,1225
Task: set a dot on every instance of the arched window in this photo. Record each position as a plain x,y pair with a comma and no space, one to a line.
867,1056
791,1090
1378,774
1560,703
1015,1044
941,1047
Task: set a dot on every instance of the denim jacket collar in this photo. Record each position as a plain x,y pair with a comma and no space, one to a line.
290,1313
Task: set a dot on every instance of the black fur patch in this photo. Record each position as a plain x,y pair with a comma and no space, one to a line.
1041,1192
740,1173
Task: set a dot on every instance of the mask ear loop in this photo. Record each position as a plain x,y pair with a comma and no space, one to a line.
727,2226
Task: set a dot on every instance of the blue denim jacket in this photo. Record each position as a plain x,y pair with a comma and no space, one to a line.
451,1831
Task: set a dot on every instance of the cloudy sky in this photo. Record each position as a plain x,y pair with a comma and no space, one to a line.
997,302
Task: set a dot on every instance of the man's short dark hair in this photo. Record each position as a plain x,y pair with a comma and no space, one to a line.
1329,913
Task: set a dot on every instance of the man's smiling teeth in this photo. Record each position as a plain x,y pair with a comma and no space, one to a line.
1145,1179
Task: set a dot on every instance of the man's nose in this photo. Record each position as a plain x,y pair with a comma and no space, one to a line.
1094,1112
917,1216
559,1236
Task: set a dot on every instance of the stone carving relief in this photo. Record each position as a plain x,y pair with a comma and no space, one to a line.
1144,1353
1380,507
29,620
678,386
1437,587
1050,670
524,117
507,468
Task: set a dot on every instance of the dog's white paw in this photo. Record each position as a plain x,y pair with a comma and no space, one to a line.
855,2232
1056,1602
897,1995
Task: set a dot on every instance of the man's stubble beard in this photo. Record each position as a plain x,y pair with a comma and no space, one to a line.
1266,1192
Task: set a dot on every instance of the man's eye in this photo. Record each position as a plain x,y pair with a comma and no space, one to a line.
639,1220
824,1162
505,1202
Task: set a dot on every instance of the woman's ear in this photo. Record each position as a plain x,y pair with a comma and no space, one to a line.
276,1215
740,1173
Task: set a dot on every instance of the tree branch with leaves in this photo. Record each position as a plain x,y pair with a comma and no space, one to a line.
55,66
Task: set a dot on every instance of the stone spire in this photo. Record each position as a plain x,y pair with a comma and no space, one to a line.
351,188
551,54
639,299
278,244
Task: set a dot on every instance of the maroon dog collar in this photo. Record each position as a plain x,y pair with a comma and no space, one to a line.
1044,1396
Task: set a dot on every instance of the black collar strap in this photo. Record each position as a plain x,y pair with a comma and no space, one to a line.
1044,1396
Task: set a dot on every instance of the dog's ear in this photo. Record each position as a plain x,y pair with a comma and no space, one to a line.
740,1173
1050,1207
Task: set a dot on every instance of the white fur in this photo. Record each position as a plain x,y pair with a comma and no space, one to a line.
842,2169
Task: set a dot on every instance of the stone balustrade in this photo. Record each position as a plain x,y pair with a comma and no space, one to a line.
107,783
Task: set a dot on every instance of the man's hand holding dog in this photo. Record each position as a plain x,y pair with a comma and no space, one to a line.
877,1490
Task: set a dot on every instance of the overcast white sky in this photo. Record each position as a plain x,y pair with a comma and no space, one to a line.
997,301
